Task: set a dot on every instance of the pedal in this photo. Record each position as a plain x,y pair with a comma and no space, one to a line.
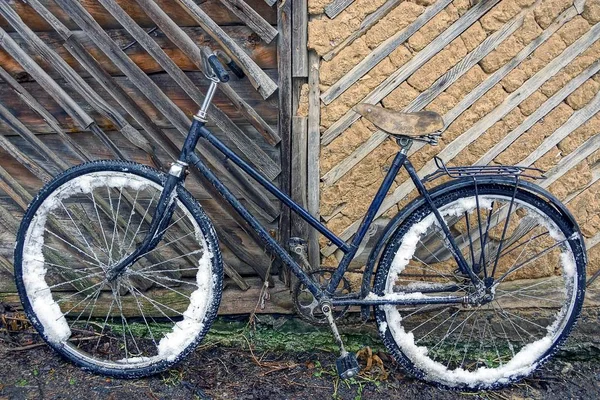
347,366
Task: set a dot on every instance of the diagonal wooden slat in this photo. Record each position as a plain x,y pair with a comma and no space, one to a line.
252,19
255,154
578,118
544,109
514,99
334,8
381,52
261,82
187,45
423,99
365,25
400,75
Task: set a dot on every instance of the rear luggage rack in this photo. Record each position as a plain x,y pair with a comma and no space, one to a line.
483,170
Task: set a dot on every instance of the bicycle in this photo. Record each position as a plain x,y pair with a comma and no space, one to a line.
478,281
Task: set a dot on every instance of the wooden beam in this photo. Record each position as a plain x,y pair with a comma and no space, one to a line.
313,155
544,109
423,99
299,170
300,38
252,19
255,154
383,50
261,82
365,25
571,160
334,8
189,47
514,99
284,25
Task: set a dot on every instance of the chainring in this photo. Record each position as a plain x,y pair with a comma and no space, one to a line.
307,307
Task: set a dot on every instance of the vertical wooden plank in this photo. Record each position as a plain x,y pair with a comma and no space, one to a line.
313,154
300,39
284,56
299,170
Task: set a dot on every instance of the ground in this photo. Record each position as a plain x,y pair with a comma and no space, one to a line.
225,368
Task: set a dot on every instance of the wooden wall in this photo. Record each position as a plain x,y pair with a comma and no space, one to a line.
97,79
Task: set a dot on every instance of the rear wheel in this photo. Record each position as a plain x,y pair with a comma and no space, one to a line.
79,227
531,262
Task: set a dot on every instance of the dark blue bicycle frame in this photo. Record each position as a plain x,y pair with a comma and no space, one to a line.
189,157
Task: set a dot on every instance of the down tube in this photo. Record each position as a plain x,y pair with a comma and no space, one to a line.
271,243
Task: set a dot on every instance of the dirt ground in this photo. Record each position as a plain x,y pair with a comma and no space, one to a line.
36,372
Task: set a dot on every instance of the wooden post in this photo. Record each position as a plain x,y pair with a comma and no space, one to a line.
313,153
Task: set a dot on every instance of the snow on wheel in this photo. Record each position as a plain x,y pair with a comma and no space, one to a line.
529,257
83,223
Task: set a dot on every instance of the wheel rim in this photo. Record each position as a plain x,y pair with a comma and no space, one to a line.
151,314
451,344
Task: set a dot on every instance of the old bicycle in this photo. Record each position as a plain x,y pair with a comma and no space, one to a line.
473,284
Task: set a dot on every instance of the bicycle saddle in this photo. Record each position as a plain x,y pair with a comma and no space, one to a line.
415,124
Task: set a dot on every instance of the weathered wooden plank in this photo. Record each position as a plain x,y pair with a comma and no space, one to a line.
265,55
28,99
313,155
192,51
334,8
75,81
167,85
213,8
497,76
382,51
300,38
56,92
400,75
284,25
234,301
423,99
252,19
538,114
254,153
365,25
298,171
571,160
271,2
261,82
514,99
578,118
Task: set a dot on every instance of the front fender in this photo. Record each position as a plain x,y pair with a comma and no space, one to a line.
443,189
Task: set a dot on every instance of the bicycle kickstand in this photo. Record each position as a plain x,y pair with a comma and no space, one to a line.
347,364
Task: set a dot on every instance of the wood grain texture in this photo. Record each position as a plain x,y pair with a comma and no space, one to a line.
221,15
334,8
252,19
300,39
313,155
261,82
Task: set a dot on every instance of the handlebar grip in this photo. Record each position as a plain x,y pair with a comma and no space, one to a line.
236,69
218,68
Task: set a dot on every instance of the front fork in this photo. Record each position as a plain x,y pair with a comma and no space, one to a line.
166,204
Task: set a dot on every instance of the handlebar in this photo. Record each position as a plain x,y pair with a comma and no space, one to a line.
213,67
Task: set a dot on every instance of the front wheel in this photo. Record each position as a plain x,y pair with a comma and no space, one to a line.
530,261
81,225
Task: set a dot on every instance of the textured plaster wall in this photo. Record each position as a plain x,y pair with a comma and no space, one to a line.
347,200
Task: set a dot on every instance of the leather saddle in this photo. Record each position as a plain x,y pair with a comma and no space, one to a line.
422,125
